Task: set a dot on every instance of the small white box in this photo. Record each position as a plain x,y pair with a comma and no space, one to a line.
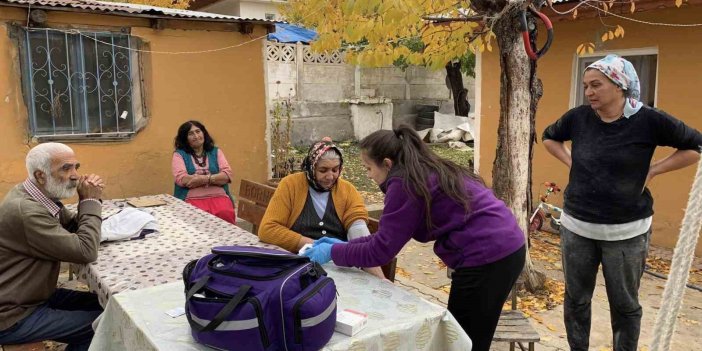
350,322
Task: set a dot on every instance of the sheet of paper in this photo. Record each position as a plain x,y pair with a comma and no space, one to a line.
146,202
178,311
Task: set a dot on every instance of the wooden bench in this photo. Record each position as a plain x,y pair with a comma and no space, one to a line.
254,198
514,328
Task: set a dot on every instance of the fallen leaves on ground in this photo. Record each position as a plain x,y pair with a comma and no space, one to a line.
545,247
400,271
662,266
355,172
446,288
372,197
691,322
439,263
532,303
540,301
53,346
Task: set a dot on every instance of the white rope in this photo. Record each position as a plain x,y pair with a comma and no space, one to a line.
682,261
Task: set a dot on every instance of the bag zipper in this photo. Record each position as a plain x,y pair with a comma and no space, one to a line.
296,309
268,256
251,277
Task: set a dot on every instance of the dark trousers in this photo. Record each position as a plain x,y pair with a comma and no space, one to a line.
66,317
623,263
478,294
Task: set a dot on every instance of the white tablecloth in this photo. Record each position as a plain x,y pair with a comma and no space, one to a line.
398,319
186,233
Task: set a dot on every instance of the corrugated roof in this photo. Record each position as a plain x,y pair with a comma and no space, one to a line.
118,8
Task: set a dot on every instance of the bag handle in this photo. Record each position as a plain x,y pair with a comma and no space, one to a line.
269,256
222,314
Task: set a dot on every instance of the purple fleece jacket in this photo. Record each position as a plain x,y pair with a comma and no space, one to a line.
485,235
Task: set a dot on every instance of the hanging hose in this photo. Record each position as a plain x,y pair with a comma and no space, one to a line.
524,28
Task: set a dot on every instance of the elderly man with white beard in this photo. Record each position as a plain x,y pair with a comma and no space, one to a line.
37,233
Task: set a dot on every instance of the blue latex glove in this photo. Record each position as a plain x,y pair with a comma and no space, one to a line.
320,252
327,240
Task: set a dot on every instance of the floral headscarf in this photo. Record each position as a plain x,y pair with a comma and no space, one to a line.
622,73
313,155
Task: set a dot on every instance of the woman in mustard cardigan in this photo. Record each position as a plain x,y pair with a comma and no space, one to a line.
315,203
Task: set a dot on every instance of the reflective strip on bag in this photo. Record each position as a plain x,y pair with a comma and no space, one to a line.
312,321
230,325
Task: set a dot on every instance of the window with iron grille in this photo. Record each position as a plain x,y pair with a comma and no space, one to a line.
79,84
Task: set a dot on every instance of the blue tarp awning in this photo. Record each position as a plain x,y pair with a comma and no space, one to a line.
288,33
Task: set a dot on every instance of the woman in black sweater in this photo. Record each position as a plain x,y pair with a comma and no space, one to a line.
608,210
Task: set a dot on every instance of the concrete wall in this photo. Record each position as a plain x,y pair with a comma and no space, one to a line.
321,91
327,82
679,79
315,120
225,90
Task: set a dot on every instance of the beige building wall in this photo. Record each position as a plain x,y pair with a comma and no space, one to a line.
247,9
225,90
678,93
259,9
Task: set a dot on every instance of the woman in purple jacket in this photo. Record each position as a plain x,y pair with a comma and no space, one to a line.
427,199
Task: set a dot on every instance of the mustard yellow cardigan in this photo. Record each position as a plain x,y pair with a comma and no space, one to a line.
289,200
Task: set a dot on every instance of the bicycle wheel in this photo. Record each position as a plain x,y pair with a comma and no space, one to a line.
536,223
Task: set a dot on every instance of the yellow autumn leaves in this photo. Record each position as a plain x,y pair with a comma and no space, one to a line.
589,48
374,32
611,34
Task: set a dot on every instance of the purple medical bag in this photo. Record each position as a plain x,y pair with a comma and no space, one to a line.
250,298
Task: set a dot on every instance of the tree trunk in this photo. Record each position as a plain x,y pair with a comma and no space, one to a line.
461,106
519,94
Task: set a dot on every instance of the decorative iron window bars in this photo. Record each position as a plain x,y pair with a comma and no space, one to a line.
78,83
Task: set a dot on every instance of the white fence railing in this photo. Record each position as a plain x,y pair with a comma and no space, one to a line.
289,53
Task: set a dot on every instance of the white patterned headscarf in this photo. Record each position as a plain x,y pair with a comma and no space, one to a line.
622,73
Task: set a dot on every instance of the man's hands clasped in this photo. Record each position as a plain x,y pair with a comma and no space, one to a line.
90,187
